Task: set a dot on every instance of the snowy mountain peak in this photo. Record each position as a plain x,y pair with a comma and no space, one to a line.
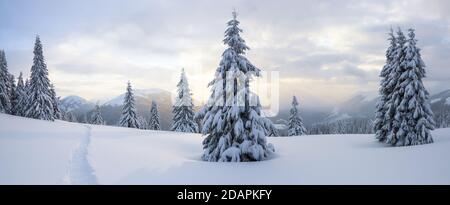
73,102
364,96
443,96
142,93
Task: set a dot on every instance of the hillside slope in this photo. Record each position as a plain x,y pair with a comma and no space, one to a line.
38,152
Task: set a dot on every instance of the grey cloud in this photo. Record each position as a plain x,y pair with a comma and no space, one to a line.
281,34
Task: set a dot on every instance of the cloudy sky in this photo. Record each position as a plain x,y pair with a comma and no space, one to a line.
324,51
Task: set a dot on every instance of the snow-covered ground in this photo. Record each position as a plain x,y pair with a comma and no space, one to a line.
40,152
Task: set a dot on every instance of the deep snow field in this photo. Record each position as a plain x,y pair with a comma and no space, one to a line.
41,152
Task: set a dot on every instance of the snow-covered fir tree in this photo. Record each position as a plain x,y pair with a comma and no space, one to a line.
183,112
12,94
295,123
5,103
56,103
64,115
85,119
267,124
391,84
232,122
129,116
20,95
381,124
27,85
153,123
413,118
71,117
39,100
270,129
25,100
96,117
143,124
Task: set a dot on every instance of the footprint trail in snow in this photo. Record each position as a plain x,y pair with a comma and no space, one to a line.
80,171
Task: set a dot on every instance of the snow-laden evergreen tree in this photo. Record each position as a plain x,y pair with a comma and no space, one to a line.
39,100
65,115
5,103
267,124
12,94
56,103
381,124
270,129
392,102
85,119
153,123
96,117
71,117
20,95
232,122
143,124
413,118
295,124
183,112
129,116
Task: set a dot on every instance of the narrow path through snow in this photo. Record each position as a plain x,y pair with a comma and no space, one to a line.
80,171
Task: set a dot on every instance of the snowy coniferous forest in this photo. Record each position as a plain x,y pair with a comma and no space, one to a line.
15,99
344,126
232,123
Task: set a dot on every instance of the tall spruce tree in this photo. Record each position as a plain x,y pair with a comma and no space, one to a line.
153,123
392,102
20,96
56,103
85,119
381,126
143,124
413,118
70,117
12,94
39,100
129,116
183,113
232,122
296,127
27,87
5,88
96,117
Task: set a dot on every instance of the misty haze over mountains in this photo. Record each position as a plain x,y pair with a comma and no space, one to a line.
360,105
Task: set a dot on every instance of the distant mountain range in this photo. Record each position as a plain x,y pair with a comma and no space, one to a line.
111,109
73,102
363,105
441,99
360,105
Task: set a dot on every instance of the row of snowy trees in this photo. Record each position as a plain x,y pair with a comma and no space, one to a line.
344,126
403,114
36,97
183,111
442,117
130,118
